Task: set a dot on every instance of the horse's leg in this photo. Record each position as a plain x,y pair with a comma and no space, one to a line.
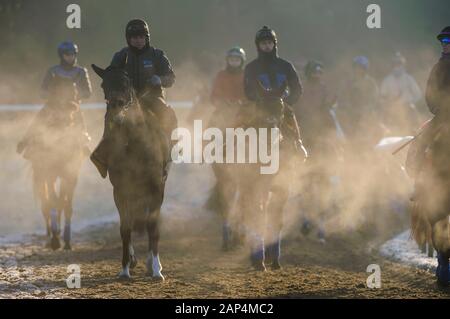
226,193
125,233
279,188
240,212
440,236
54,212
274,225
254,220
235,215
68,185
153,263
323,195
40,191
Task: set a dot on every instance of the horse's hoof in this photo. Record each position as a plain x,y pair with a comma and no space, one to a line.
275,265
67,246
55,243
159,278
259,267
124,275
48,244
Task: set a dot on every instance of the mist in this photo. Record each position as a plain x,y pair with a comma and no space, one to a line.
195,36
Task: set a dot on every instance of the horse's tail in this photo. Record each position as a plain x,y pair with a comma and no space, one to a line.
420,226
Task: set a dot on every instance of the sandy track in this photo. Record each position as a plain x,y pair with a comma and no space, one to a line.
196,268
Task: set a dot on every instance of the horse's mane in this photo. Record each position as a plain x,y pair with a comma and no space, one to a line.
119,77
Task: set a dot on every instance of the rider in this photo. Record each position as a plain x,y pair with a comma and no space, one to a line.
319,133
400,94
313,109
228,84
227,92
358,105
227,95
65,82
438,101
150,72
437,96
272,72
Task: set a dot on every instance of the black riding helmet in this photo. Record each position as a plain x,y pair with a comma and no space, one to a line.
265,33
137,27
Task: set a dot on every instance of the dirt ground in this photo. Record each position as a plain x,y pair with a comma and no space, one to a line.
195,267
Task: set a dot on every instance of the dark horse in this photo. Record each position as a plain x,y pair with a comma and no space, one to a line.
55,146
222,196
137,155
263,196
431,205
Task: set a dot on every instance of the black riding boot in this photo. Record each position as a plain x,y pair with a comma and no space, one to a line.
100,155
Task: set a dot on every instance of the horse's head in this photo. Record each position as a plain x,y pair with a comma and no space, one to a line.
271,102
116,86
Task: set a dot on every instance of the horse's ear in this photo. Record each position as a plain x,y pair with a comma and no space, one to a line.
100,72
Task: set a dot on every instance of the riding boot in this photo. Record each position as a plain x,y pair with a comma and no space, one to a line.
100,155
169,124
35,128
80,123
166,116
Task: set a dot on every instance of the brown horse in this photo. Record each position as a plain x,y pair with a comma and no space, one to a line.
262,196
223,193
137,155
55,146
431,208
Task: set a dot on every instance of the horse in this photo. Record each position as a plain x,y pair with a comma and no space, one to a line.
222,195
262,196
55,145
431,199
137,164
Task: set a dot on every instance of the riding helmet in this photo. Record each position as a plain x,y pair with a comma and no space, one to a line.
361,61
137,27
265,33
67,47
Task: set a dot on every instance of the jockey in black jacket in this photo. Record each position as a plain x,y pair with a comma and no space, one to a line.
150,72
272,72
